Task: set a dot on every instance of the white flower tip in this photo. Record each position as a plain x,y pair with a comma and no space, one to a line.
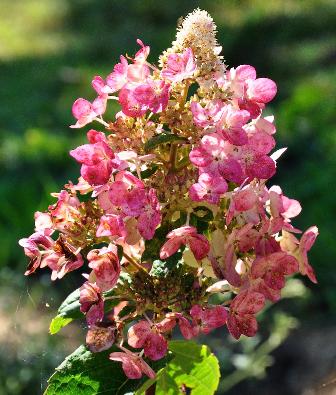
276,155
219,286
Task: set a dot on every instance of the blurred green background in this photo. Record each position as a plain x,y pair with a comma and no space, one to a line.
49,51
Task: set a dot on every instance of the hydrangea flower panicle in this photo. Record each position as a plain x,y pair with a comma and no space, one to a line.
172,204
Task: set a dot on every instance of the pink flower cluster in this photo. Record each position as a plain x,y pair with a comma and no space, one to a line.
139,91
212,150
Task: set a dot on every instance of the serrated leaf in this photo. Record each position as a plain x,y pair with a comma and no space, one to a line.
193,366
58,323
87,373
162,138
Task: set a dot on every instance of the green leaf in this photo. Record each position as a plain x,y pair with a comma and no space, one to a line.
70,306
193,366
203,213
120,252
69,310
166,384
147,384
200,218
87,373
163,138
159,368
163,268
58,323
152,247
149,172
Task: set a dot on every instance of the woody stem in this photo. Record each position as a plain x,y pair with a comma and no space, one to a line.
184,94
172,157
134,263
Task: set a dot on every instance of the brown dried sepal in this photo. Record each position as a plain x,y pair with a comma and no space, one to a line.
100,338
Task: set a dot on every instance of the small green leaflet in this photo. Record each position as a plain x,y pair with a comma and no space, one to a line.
192,366
68,311
163,138
57,323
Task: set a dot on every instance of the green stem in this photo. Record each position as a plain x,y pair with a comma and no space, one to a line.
233,379
184,94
